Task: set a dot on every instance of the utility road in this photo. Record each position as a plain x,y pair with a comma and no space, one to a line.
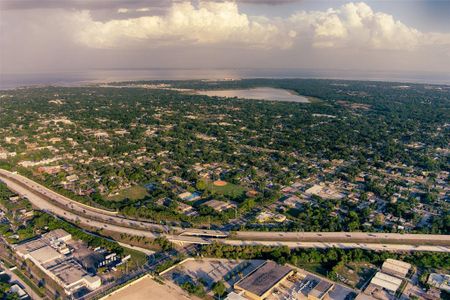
73,211
26,287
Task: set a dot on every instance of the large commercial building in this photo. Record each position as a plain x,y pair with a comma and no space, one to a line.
72,276
51,254
258,284
387,282
44,255
441,281
396,267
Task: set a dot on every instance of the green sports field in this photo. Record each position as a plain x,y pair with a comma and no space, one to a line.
230,189
133,193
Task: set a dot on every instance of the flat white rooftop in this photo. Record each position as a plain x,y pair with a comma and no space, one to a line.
45,255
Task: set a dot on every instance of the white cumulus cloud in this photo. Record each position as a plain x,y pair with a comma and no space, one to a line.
143,9
122,10
208,23
353,25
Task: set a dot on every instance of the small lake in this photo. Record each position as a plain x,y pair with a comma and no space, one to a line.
261,93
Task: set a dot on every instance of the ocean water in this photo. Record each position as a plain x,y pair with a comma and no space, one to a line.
9,81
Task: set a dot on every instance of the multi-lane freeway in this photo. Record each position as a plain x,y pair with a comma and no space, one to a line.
56,204
63,207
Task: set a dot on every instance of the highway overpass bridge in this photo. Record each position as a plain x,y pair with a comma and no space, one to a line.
56,204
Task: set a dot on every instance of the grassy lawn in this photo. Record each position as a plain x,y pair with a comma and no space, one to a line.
4,256
137,258
313,99
133,193
230,189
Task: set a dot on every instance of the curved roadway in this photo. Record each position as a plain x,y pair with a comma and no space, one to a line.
48,200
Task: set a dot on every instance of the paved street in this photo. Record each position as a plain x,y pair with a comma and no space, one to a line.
27,288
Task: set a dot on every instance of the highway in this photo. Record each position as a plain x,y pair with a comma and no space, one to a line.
343,245
346,237
63,207
76,212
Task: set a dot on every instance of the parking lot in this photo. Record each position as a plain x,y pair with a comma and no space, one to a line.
212,270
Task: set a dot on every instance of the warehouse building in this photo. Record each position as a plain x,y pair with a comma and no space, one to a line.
59,235
51,254
71,276
441,281
387,282
259,284
396,267
44,255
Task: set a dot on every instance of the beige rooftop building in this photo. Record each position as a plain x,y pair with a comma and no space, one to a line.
71,276
44,255
59,235
396,267
51,254
387,282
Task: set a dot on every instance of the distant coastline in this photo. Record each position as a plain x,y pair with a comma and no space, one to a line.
11,81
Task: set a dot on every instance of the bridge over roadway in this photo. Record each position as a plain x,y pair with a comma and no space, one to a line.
63,207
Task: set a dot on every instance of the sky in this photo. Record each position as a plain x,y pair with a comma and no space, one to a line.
74,35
